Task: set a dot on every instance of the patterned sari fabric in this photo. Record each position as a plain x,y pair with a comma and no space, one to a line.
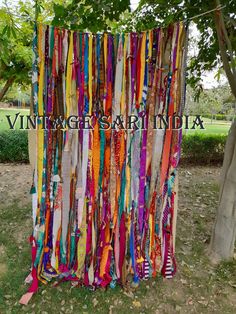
104,198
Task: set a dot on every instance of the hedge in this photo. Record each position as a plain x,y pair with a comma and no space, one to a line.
203,148
196,148
14,146
219,117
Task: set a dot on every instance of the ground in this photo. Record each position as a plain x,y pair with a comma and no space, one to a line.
198,287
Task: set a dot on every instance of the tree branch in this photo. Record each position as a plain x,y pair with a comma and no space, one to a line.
223,39
5,88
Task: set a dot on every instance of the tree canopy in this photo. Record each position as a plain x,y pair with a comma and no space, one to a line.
217,31
15,47
89,15
16,28
215,48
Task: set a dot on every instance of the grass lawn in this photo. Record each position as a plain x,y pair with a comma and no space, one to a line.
214,127
198,286
4,125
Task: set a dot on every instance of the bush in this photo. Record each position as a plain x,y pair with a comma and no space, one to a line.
203,148
219,117
196,148
14,146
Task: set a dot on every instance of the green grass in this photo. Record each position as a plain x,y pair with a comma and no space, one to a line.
4,125
216,127
211,127
197,288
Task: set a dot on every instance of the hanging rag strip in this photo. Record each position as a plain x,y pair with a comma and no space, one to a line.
104,199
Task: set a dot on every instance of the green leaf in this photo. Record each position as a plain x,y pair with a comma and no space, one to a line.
4,30
13,32
8,31
58,9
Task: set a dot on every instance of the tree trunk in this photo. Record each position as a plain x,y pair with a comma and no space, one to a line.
225,49
224,231
5,88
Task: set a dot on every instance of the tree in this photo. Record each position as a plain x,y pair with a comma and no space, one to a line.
216,47
89,15
15,57
16,31
214,100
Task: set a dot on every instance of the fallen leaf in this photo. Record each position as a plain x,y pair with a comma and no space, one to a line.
183,281
178,308
136,303
129,294
95,302
7,296
232,284
202,302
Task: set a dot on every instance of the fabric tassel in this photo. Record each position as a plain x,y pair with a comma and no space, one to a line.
103,192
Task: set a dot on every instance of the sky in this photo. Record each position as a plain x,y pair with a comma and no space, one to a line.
208,78
134,4
11,2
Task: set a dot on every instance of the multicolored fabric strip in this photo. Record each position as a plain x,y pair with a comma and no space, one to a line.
103,199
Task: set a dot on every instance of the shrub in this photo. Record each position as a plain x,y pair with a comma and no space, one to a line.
14,146
196,148
203,148
219,117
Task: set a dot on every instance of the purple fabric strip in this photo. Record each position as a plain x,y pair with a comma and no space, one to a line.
134,42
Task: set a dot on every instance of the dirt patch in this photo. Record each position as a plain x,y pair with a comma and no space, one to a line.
15,183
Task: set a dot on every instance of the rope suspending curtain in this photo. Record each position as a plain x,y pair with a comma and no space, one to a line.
104,197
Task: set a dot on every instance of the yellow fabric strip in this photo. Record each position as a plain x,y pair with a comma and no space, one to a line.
81,246
41,69
142,64
127,195
150,38
69,75
122,104
40,112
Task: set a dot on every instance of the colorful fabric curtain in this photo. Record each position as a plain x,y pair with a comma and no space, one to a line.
103,195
